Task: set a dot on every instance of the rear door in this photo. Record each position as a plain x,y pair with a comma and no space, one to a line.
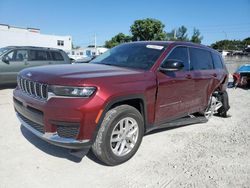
218,67
175,89
37,58
203,74
17,61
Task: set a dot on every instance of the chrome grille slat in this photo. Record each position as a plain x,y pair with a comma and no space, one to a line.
21,81
34,89
41,90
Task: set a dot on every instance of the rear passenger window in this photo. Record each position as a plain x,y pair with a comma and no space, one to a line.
217,61
37,55
48,55
41,55
56,56
180,53
200,59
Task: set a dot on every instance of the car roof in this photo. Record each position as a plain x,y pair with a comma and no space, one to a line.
176,43
31,47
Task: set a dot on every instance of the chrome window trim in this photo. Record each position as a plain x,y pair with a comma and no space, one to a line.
188,47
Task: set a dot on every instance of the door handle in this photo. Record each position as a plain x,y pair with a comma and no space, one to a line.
188,76
214,75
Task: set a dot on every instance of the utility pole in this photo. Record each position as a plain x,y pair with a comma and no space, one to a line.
95,44
174,33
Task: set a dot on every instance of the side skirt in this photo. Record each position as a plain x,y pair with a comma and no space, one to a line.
187,120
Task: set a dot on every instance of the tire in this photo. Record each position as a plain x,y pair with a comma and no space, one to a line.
122,127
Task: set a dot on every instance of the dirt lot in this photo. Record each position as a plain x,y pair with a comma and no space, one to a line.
214,154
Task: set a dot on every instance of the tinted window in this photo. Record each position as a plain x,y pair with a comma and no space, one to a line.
132,55
56,56
180,53
200,59
21,55
3,50
11,56
38,55
217,61
41,55
48,55
18,55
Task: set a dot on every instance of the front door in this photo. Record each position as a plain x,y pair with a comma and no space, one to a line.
17,60
175,89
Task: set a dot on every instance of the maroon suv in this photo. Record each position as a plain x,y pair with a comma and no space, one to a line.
110,103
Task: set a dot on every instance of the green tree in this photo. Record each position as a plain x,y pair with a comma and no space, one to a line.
118,39
181,34
246,41
196,37
148,29
228,45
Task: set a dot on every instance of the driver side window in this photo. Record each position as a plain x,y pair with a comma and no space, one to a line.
10,56
180,53
17,55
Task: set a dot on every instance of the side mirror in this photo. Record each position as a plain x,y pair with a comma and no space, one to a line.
171,65
6,59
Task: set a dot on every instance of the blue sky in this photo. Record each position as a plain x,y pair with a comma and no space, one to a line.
216,19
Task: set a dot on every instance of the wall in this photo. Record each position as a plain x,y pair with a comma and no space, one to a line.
234,62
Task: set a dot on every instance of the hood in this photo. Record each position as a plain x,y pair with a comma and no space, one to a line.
56,74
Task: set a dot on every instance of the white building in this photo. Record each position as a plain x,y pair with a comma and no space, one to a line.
82,53
15,36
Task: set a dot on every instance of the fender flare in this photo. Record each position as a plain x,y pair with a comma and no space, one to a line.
116,100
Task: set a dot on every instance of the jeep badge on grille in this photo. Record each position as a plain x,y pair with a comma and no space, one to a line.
29,74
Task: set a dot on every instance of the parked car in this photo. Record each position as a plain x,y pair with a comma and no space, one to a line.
132,89
83,60
15,58
242,76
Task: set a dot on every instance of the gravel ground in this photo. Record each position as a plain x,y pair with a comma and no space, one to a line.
214,154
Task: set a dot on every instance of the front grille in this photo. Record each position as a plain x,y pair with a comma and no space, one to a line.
34,89
68,131
33,124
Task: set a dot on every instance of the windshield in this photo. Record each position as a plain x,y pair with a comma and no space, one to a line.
131,55
3,50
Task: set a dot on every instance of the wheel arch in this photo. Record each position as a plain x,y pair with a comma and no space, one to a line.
137,101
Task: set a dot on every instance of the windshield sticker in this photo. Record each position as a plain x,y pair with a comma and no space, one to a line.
155,47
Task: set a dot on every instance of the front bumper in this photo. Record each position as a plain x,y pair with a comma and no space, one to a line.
59,121
54,138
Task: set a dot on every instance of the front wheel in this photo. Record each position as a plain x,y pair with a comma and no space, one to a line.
119,136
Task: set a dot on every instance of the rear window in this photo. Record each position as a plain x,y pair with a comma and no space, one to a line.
38,55
57,56
217,61
200,59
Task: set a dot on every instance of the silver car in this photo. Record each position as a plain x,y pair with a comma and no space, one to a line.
15,58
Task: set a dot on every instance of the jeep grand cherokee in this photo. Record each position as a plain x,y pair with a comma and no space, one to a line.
110,103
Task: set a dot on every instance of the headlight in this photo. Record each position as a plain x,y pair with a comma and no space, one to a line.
72,91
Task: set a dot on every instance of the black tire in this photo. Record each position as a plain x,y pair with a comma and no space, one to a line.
102,147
